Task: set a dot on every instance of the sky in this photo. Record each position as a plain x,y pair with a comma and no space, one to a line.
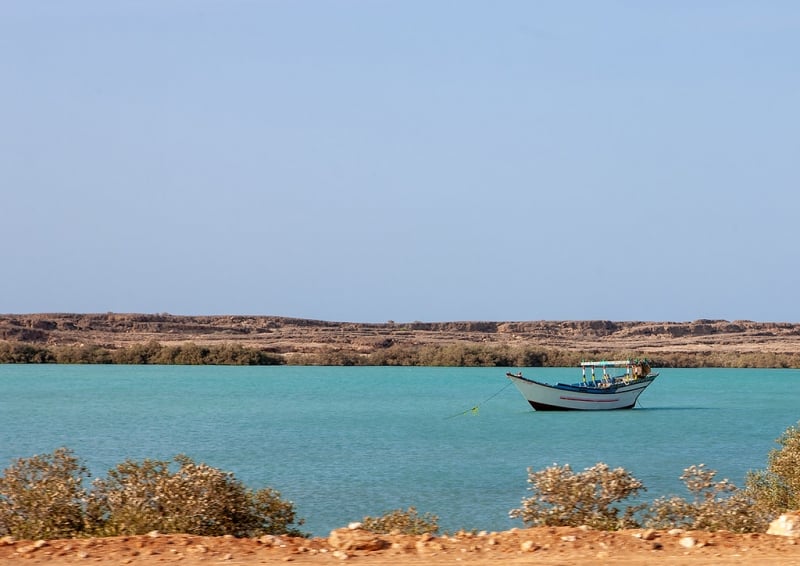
375,160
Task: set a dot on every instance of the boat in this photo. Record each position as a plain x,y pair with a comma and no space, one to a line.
594,392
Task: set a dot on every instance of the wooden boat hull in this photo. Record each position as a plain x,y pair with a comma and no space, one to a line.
563,397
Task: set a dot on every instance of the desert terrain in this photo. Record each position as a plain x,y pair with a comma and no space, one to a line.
288,337
562,545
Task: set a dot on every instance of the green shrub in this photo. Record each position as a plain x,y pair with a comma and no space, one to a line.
139,497
715,506
564,498
777,488
43,496
24,353
406,522
127,501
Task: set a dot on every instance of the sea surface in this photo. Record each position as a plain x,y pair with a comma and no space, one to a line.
344,443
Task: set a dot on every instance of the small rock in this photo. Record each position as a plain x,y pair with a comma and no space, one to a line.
787,525
649,534
347,539
268,540
656,546
154,534
528,546
355,525
340,554
6,540
25,549
675,532
401,546
569,538
687,542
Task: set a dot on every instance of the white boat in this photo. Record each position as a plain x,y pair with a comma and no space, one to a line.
595,392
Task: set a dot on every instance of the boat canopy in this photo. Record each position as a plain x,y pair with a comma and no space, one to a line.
613,363
634,369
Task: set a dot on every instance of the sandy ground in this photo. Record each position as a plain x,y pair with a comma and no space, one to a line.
564,545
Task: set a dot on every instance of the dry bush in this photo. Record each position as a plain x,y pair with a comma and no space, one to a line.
406,522
43,496
777,489
715,506
139,497
564,498
127,501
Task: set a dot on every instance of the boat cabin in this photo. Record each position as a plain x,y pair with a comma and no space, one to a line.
634,370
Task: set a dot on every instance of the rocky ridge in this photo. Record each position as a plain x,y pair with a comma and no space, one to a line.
286,335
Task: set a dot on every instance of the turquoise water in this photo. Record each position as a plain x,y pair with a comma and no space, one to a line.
343,443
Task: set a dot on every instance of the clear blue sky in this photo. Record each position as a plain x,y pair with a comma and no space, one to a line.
403,160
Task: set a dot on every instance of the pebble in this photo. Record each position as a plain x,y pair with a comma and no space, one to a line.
528,546
687,542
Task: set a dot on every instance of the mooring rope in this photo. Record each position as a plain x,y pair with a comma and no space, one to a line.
474,410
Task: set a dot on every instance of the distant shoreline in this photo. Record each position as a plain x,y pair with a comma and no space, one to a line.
265,340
